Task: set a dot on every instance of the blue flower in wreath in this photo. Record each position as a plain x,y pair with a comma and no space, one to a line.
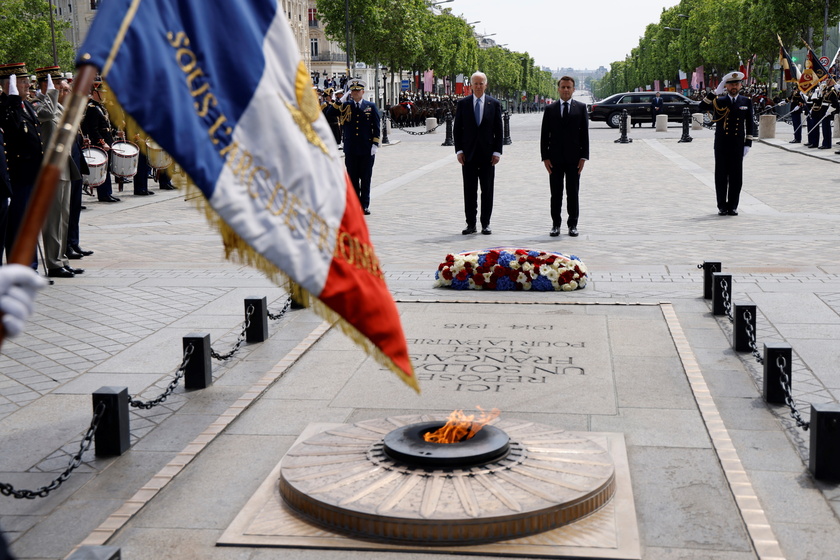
482,259
534,253
460,284
505,258
506,284
541,284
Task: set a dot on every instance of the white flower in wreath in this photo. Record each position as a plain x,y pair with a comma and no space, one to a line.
544,268
527,267
552,275
514,265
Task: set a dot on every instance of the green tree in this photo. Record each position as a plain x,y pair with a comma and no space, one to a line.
25,35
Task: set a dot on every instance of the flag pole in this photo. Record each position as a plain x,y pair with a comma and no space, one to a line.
55,157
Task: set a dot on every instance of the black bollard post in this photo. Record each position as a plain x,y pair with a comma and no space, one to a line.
112,435
778,357
709,268
824,462
744,318
721,290
198,374
686,124
622,127
506,119
257,330
449,140
384,139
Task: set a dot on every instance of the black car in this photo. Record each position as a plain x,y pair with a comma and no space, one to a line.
638,107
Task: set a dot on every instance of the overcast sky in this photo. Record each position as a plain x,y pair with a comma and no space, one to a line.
579,34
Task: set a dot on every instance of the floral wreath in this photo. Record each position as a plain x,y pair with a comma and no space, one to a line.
511,269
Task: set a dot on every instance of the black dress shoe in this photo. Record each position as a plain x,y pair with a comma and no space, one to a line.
167,188
733,212
81,251
809,145
83,207
555,232
110,198
486,230
573,232
74,270
367,212
144,193
794,142
824,148
71,254
469,230
60,273
723,212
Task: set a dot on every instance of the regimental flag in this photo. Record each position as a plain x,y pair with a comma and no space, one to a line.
786,63
683,79
813,73
222,88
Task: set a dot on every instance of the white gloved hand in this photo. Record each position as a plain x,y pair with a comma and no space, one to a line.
746,150
721,87
50,84
18,285
373,149
13,90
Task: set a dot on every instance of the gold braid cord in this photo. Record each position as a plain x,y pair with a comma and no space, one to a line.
237,250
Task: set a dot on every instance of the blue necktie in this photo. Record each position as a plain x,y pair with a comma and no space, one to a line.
478,112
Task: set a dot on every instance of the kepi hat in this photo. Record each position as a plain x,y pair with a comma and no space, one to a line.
16,68
733,77
356,84
54,71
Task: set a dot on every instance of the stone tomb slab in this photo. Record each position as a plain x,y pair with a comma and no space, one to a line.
518,358
610,532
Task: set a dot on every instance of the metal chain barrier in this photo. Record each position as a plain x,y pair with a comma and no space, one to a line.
727,304
286,307
240,339
751,336
415,133
43,491
785,383
174,383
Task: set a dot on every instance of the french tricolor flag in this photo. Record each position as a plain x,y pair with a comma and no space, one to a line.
221,86
683,79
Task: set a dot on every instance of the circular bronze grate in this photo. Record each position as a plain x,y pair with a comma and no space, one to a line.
343,480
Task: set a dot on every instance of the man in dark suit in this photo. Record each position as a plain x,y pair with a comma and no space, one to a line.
734,129
656,108
360,127
564,149
479,137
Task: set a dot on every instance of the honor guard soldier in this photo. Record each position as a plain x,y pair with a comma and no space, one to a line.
734,129
360,127
819,118
797,107
96,125
22,143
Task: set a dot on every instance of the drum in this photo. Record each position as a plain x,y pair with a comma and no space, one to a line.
97,162
158,159
124,159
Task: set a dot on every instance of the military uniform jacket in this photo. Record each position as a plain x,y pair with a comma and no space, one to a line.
734,119
359,127
796,100
22,139
97,125
5,185
828,100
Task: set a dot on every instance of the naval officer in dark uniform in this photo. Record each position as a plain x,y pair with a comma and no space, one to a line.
359,121
22,140
735,127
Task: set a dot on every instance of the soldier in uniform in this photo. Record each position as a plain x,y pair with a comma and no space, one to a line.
735,127
797,107
22,142
96,125
819,119
331,113
359,121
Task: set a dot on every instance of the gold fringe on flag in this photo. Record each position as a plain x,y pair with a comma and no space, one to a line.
238,250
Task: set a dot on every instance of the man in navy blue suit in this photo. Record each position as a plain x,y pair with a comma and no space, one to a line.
479,137
656,107
564,149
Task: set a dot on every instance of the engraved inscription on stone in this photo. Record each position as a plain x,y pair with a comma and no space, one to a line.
549,359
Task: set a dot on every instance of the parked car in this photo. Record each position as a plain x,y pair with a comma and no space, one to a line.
638,107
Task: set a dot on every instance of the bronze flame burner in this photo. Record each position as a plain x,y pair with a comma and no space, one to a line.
379,480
